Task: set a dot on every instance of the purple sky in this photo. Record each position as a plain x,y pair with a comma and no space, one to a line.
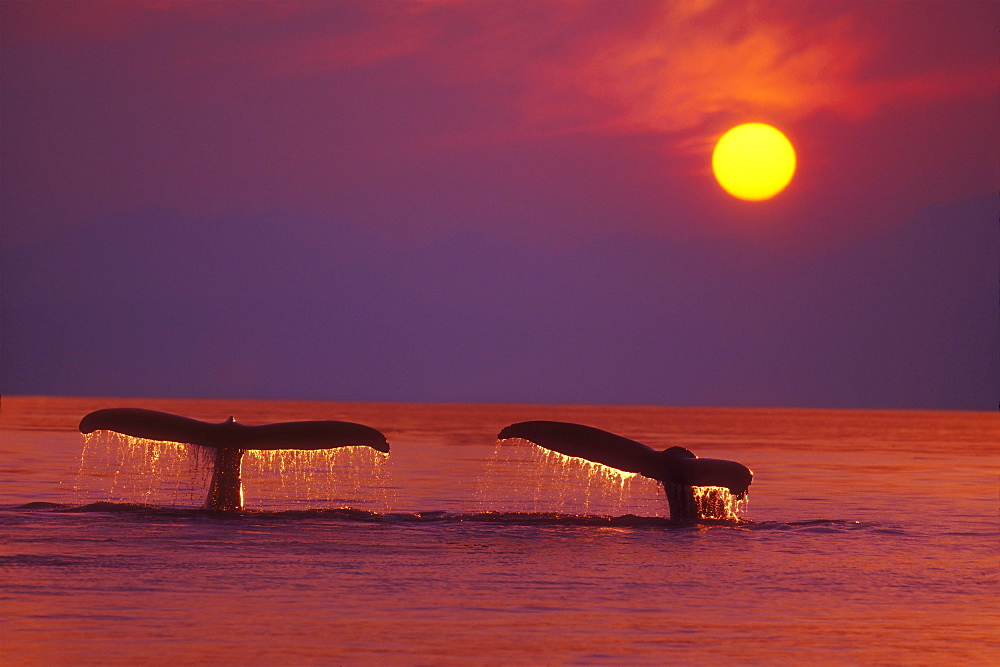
499,201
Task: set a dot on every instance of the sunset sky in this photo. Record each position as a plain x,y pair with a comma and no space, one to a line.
506,201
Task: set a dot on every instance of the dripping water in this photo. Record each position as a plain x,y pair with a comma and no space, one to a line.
524,477
120,468
354,477
705,502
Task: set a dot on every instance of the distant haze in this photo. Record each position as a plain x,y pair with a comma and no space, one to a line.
906,320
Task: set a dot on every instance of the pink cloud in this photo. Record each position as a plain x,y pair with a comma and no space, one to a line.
662,67
698,62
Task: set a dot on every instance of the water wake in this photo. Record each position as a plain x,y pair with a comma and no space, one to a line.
354,515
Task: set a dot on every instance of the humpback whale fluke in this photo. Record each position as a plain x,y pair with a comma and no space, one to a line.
231,439
674,467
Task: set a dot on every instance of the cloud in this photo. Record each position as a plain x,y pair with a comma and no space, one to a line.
689,66
662,67
416,113
665,67
699,62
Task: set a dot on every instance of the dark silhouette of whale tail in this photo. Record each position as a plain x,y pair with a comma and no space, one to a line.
231,439
678,469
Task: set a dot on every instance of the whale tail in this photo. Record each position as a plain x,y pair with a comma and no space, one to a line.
231,439
677,468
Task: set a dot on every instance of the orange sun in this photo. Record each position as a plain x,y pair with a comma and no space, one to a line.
753,161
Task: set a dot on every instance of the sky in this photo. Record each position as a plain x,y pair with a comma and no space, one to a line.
499,201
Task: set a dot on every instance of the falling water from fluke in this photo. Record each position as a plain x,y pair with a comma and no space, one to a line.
695,488
231,441
521,476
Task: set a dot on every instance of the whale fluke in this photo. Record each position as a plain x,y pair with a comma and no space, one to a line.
151,425
313,435
231,439
155,425
672,466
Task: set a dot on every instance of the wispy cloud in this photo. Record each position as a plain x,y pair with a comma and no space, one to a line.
690,66
662,67
697,62
658,66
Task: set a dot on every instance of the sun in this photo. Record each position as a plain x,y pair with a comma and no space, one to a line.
753,161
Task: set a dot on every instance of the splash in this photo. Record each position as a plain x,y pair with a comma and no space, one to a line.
124,469
705,502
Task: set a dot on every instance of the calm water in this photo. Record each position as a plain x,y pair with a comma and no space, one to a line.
871,538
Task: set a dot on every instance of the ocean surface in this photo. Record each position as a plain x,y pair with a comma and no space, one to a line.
868,538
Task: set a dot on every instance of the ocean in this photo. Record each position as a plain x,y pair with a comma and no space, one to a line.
867,538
